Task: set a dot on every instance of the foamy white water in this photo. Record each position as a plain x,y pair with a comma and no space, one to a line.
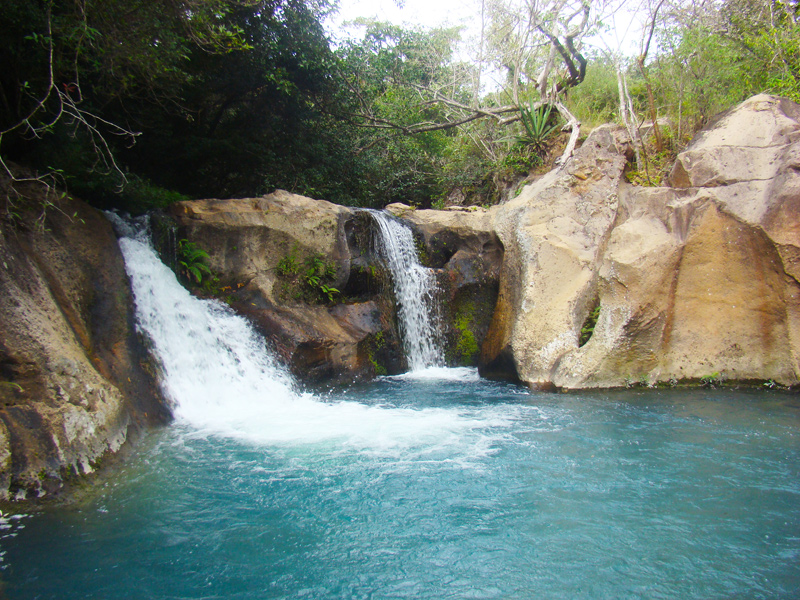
415,290
221,378
463,374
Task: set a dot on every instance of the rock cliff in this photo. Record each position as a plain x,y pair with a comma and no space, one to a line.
74,381
263,250
697,281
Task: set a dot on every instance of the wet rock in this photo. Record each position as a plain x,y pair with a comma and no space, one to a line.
262,250
461,244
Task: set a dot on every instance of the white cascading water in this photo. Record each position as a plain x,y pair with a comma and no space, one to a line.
415,291
222,380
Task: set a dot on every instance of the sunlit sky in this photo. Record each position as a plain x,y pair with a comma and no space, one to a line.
429,13
467,13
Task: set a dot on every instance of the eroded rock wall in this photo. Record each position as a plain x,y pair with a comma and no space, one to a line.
693,281
74,380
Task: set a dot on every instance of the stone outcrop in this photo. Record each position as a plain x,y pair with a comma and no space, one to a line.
694,281
463,248
74,381
261,248
554,233
251,242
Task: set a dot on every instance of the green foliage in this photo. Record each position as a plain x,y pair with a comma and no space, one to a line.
711,381
374,346
309,279
385,70
192,260
317,272
235,98
288,265
539,124
596,100
588,326
718,59
656,166
520,159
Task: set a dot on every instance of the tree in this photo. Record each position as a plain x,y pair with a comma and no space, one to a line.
538,43
713,55
223,97
66,60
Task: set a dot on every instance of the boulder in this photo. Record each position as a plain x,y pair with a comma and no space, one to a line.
262,250
554,234
75,384
247,238
695,282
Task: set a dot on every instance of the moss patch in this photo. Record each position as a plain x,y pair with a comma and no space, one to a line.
589,324
466,344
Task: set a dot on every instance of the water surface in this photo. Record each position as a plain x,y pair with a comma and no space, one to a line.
454,488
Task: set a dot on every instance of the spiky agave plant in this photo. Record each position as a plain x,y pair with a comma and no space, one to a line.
538,125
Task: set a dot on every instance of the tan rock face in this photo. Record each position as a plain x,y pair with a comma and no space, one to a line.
553,234
692,281
72,380
249,237
321,342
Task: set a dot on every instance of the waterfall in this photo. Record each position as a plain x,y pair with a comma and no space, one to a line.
415,290
221,378
207,353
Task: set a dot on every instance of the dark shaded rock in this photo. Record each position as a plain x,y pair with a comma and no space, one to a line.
460,243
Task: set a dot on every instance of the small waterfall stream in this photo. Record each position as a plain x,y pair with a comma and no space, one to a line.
415,290
222,379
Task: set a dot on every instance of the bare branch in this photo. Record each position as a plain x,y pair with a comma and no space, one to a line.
575,130
40,104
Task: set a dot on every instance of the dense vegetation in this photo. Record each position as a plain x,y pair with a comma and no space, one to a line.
138,103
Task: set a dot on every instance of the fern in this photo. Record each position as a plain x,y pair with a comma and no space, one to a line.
193,260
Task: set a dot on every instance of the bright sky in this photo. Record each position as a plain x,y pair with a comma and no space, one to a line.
623,34
426,13
420,12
